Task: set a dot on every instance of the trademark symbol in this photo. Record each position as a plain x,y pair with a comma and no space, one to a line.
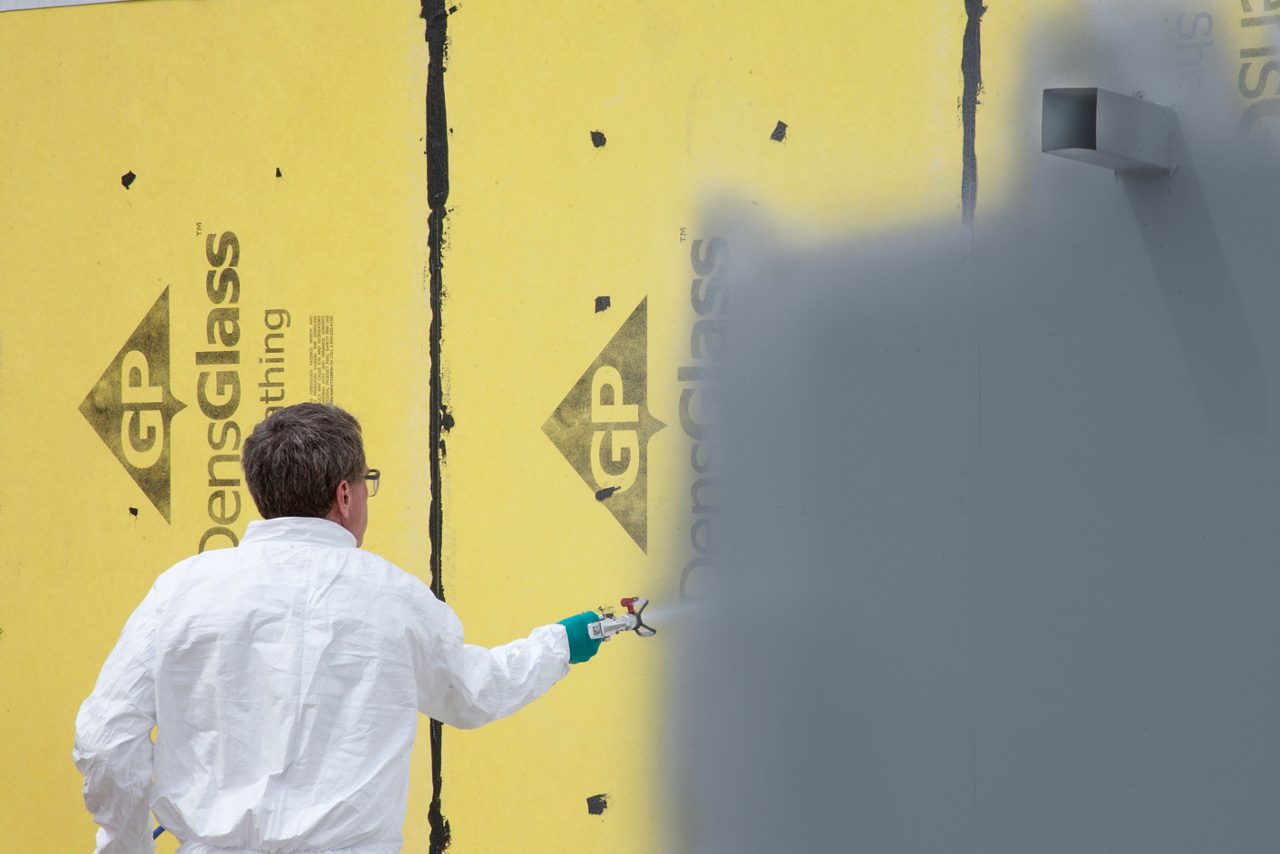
199,228
684,234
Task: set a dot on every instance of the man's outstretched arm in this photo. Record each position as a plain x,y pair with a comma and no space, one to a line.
467,686
113,747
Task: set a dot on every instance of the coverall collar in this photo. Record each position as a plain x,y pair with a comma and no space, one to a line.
299,529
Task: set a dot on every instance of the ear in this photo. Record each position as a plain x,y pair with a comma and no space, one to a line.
342,500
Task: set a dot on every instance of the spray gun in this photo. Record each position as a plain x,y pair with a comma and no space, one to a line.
633,620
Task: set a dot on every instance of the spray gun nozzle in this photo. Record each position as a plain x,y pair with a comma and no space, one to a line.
635,606
609,625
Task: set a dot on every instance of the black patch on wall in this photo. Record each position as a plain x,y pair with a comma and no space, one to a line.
779,132
126,179
597,804
279,174
602,304
597,139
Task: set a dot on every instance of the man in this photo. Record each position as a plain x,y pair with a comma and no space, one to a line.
284,677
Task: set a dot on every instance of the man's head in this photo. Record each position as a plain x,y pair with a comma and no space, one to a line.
308,460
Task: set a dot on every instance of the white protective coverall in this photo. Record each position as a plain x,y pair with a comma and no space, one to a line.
285,678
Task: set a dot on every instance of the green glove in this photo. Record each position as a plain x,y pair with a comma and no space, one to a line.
581,645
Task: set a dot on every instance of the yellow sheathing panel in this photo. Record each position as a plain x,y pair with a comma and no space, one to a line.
202,102
542,221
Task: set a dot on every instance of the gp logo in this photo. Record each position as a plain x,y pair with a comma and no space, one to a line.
131,406
603,426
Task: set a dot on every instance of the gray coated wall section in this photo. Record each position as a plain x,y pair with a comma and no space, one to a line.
1001,563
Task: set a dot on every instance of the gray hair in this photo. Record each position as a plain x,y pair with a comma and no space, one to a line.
294,460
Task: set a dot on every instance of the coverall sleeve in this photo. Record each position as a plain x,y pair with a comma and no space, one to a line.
113,748
467,686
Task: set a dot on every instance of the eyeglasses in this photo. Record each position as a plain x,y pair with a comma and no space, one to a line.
371,480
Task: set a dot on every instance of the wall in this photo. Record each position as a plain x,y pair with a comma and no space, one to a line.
1035,575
